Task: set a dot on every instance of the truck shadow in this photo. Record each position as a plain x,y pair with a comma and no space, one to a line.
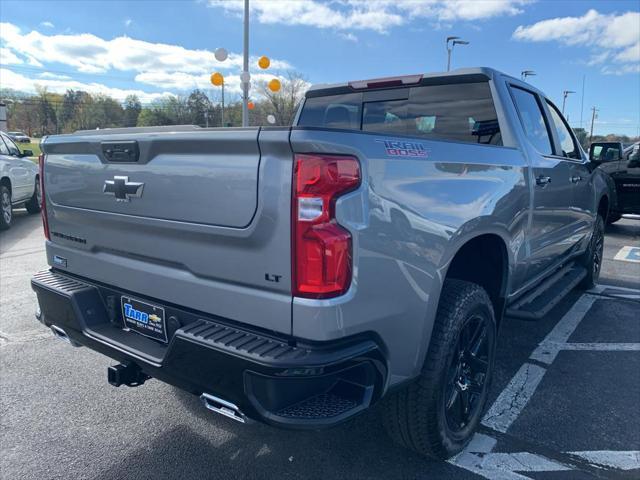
220,448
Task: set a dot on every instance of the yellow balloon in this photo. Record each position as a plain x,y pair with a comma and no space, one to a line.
217,79
274,85
264,62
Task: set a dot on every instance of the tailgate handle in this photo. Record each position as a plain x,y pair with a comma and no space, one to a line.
122,152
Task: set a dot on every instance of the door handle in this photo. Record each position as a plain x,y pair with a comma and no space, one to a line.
542,180
576,179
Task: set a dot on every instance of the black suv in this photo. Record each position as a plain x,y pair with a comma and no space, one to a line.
623,167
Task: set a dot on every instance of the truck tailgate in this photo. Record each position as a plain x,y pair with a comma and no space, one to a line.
200,219
209,179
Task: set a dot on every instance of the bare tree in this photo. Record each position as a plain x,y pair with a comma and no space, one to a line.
284,103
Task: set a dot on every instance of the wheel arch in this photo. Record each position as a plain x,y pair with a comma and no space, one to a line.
603,207
484,260
6,181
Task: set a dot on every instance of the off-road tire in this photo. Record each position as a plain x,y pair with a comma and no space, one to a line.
592,258
613,217
415,417
33,205
4,223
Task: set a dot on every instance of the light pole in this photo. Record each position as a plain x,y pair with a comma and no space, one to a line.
245,68
565,94
527,73
245,77
452,42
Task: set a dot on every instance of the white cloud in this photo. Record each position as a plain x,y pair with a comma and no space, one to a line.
7,57
16,81
55,76
348,36
47,24
128,22
91,54
614,39
377,15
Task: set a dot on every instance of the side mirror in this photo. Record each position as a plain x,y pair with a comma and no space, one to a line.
27,153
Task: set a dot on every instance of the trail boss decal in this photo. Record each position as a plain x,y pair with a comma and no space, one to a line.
395,148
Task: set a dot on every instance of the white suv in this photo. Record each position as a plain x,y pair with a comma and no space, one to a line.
18,181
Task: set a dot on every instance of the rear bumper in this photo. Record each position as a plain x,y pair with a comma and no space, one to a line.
277,380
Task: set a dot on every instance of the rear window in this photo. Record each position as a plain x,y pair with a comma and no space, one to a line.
459,112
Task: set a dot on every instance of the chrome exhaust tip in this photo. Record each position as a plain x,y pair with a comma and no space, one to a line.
223,407
62,335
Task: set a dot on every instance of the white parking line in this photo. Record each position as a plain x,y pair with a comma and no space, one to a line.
551,345
479,457
522,386
613,459
602,347
505,466
514,398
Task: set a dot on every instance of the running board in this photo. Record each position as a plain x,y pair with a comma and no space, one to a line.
538,302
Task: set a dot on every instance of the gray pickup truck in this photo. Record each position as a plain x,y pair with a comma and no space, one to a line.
299,275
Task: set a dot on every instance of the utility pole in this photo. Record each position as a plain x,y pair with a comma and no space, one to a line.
565,94
452,42
582,101
594,115
245,68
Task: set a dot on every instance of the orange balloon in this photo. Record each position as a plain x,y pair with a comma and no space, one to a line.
250,106
217,79
274,85
264,62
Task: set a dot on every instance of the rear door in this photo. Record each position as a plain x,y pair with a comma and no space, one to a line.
583,203
551,217
198,218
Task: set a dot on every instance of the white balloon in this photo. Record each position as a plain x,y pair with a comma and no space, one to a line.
271,119
221,54
245,77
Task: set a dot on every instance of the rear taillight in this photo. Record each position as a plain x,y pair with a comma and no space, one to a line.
43,202
322,251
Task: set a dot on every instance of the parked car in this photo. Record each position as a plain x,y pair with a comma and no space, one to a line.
622,165
298,275
19,137
19,183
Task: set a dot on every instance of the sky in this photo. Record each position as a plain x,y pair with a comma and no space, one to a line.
154,48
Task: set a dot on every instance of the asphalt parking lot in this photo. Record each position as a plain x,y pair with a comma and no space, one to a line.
564,403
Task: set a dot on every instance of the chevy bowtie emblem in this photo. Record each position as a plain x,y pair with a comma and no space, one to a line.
122,188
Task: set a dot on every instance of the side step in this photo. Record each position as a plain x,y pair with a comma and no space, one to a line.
538,302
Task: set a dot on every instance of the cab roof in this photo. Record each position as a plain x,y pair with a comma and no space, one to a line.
461,75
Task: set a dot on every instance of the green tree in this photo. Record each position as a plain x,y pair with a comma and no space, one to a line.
199,107
132,109
46,114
